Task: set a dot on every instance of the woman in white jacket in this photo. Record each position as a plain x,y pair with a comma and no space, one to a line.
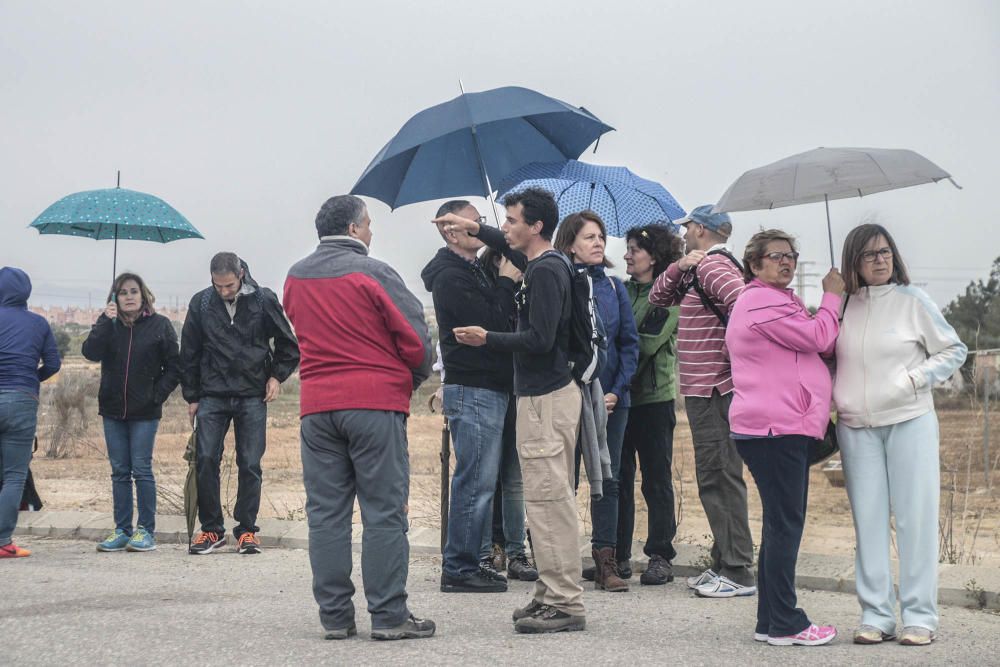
894,345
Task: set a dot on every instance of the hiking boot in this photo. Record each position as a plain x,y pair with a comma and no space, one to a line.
342,633
526,611
520,568
13,551
606,576
141,541
914,635
486,567
724,588
814,635
658,572
548,619
476,582
498,558
411,628
707,577
116,541
248,543
205,543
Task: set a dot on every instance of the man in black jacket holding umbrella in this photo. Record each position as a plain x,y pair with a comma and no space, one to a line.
236,349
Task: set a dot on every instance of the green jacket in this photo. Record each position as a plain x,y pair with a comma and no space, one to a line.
655,381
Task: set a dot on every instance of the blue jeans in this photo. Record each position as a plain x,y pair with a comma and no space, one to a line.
476,419
604,512
18,419
509,494
249,419
130,451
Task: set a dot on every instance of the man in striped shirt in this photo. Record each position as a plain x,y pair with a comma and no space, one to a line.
705,283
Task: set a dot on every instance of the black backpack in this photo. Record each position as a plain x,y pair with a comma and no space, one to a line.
705,299
588,340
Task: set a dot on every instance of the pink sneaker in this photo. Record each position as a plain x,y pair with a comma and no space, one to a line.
814,635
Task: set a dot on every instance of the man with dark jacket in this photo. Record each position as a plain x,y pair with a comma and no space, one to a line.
477,385
365,348
549,403
236,349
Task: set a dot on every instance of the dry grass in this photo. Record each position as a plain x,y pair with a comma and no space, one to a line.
970,516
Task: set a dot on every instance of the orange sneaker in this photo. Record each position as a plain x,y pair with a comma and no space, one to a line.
13,551
205,543
249,543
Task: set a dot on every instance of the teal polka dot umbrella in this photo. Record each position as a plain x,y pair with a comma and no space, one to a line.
115,213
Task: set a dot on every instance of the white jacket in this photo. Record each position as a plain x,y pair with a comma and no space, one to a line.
894,345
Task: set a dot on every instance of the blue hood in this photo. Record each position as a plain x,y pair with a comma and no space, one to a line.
15,288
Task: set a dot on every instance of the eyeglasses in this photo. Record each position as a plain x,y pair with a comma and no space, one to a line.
776,257
870,255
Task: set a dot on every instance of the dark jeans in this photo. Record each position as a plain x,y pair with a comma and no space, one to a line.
249,419
721,488
18,420
507,521
650,434
604,512
780,467
360,453
130,451
476,420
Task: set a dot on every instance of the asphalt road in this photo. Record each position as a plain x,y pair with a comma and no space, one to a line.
68,604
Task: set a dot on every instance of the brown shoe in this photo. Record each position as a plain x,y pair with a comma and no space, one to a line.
606,575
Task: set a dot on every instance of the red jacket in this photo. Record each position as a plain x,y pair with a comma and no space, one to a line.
362,336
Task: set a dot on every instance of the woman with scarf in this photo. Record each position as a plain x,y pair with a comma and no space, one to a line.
140,368
582,237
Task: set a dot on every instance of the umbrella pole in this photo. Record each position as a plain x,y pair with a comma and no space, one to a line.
114,259
829,229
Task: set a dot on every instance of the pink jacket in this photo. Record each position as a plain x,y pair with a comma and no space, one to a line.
781,385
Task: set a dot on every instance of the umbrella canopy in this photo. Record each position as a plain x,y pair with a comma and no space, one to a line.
115,213
622,199
460,147
829,173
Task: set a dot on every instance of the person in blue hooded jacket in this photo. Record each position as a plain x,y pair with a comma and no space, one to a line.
582,236
25,339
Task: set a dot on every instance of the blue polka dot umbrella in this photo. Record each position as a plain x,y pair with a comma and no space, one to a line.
622,199
115,213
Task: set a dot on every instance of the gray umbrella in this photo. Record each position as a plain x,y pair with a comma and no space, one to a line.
829,173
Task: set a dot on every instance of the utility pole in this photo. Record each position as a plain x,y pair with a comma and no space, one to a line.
800,278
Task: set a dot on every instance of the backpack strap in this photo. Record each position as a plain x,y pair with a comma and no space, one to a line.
705,299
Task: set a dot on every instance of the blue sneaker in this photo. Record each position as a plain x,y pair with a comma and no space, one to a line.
141,541
116,541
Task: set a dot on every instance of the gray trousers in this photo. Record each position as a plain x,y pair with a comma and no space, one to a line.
721,488
361,453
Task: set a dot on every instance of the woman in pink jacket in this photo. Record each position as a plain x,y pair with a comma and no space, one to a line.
781,402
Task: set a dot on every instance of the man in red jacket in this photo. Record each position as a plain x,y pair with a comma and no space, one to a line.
365,348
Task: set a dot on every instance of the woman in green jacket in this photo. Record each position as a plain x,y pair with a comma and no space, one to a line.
650,429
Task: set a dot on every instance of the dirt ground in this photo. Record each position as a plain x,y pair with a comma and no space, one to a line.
970,516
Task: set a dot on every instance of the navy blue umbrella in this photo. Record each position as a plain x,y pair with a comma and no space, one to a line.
622,199
460,147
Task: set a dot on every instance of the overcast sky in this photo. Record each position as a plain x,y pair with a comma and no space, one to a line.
246,116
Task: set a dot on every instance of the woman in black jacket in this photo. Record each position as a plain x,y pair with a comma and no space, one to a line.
140,367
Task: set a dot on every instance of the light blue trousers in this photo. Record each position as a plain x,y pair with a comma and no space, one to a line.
895,469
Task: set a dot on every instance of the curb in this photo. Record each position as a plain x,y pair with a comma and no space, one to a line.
958,585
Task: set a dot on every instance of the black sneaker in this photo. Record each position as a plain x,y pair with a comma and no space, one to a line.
589,573
521,569
248,543
625,569
658,572
548,619
477,582
526,611
411,628
486,567
206,542
342,633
